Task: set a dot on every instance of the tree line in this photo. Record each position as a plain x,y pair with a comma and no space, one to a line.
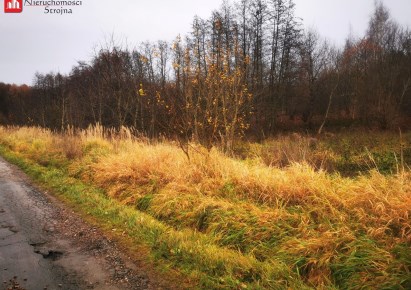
250,68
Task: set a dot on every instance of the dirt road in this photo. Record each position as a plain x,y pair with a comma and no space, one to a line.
45,246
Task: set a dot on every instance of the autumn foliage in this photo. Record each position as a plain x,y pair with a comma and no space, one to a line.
249,70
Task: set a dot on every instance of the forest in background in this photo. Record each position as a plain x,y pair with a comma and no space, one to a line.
251,69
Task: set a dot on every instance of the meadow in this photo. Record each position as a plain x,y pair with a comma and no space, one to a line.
291,212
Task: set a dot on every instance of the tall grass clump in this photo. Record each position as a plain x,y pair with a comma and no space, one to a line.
276,218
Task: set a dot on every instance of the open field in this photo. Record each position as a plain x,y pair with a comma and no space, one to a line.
293,212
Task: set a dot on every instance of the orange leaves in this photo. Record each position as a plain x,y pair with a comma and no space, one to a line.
143,59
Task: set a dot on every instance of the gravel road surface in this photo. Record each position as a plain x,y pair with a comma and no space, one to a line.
44,245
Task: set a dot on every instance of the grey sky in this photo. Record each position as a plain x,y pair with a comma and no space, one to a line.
33,41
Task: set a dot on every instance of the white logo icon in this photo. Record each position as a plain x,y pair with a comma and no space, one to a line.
13,4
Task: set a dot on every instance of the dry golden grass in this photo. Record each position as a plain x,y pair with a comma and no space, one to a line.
326,230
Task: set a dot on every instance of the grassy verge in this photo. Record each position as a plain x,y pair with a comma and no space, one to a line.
230,223
349,154
98,209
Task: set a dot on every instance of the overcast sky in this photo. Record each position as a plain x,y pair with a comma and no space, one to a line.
34,41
